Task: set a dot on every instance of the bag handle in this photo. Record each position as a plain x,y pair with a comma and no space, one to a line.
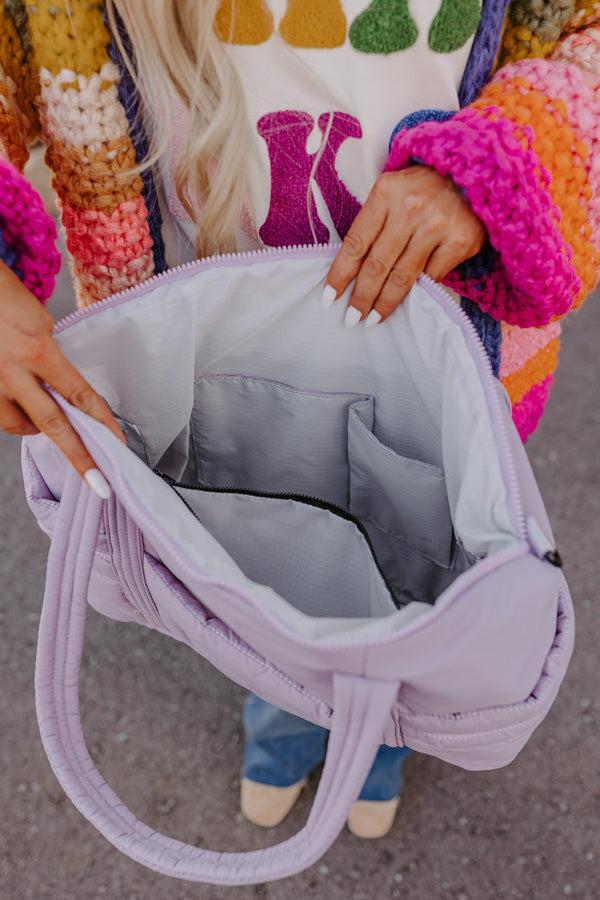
361,707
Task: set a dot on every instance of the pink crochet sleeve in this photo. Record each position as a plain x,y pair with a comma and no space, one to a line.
526,154
27,233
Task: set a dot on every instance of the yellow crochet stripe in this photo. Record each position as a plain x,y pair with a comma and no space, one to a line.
521,43
68,35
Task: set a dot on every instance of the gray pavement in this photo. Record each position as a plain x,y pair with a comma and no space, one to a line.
165,729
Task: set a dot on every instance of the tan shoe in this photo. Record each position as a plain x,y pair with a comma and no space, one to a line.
372,819
266,805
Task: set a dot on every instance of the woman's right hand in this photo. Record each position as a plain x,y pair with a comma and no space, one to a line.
29,356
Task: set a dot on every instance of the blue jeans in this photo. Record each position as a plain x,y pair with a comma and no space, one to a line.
281,749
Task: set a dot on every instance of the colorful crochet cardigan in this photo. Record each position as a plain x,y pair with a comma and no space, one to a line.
524,148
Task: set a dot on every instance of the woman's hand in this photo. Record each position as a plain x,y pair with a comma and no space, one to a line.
414,221
29,356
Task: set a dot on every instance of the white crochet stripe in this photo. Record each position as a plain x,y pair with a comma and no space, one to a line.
82,111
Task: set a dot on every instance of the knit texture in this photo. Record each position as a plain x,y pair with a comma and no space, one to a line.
89,144
523,148
526,154
27,234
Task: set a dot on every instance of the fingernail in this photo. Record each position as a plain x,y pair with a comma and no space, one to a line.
373,319
98,483
353,317
329,296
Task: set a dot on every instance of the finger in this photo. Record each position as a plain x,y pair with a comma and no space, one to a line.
13,420
355,246
375,269
446,257
56,370
402,277
47,416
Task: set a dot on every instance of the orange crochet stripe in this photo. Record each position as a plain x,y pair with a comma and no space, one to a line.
68,35
18,117
17,67
534,371
99,180
562,155
12,136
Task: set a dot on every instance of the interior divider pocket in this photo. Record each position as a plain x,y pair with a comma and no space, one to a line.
318,561
404,498
256,434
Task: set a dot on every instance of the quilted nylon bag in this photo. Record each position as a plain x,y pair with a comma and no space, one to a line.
343,521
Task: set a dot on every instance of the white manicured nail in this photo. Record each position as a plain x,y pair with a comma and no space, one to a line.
98,483
353,317
373,319
329,296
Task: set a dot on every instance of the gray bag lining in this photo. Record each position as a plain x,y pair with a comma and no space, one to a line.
318,560
254,434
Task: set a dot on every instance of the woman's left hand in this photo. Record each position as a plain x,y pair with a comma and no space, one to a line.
414,221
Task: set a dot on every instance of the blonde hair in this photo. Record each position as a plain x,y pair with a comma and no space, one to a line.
175,48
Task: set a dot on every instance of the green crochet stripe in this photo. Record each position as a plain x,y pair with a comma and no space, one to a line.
385,27
454,24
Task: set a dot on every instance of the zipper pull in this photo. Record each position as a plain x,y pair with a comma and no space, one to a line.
541,545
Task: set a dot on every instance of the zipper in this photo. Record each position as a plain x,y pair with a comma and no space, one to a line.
305,499
189,268
437,291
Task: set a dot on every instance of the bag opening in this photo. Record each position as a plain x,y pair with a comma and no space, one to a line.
351,471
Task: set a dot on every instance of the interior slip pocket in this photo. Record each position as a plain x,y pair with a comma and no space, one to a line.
257,434
404,498
318,559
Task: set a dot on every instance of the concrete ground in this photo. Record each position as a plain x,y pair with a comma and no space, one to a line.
165,730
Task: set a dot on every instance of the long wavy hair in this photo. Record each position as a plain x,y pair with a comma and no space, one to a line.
175,49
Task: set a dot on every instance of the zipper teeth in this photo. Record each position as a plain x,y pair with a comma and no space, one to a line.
436,290
195,265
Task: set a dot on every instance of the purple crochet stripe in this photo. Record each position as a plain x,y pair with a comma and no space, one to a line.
130,101
483,51
533,278
28,233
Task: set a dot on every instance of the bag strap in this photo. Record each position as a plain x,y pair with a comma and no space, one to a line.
361,707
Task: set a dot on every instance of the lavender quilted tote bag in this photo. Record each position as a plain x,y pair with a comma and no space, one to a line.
342,521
